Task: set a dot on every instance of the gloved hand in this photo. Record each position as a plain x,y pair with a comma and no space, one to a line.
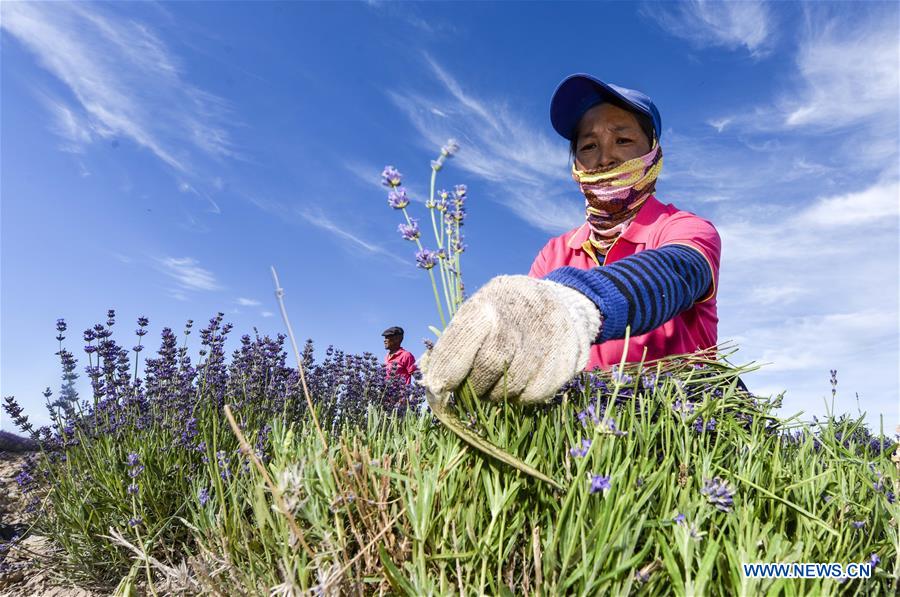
538,332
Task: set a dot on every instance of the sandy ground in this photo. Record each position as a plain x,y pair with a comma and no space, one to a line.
29,576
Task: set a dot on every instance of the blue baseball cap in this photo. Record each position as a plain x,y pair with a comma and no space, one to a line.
580,92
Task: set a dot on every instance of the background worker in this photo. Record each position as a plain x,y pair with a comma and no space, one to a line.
635,262
398,361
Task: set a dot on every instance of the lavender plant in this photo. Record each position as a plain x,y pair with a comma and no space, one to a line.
447,212
649,503
142,449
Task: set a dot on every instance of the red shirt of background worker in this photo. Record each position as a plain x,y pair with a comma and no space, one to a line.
398,361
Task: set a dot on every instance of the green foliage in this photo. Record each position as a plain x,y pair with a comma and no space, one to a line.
401,505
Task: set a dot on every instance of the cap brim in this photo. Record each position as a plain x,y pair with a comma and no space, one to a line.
575,95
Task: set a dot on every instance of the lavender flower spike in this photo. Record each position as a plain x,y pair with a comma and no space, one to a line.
426,259
718,493
410,231
397,198
583,450
390,177
599,483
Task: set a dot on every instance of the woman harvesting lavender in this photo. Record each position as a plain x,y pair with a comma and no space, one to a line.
635,263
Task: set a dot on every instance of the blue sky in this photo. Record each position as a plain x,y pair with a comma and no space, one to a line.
158,158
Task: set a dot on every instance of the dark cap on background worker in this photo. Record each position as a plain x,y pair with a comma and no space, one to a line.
398,361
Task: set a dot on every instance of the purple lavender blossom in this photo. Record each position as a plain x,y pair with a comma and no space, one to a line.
410,231
599,483
15,412
858,524
683,408
701,427
203,496
649,380
133,459
426,259
390,177
622,378
718,493
135,521
132,489
589,415
24,480
608,425
397,198
874,560
679,519
580,452
222,460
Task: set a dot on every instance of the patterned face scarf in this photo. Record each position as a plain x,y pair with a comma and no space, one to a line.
613,197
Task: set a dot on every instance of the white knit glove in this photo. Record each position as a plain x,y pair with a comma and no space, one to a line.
538,332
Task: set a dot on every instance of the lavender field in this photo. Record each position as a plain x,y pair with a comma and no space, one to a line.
672,477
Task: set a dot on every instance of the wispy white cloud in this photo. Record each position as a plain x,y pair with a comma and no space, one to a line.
771,295
849,70
266,313
846,226
246,302
847,79
188,273
188,188
318,218
704,23
123,80
815,288
798,353
408,13
719,123
487,129
875,206
72,128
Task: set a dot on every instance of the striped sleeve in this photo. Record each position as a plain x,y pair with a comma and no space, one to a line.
644,290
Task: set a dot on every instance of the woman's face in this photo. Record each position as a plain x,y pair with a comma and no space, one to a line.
607,137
